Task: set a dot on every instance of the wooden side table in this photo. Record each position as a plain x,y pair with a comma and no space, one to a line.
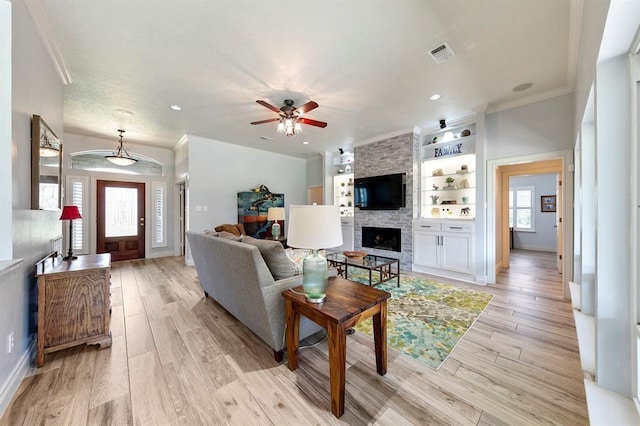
73,303
347,304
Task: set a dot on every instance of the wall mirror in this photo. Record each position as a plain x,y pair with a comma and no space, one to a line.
46,167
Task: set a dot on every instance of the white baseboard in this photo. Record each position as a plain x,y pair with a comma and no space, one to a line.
469,278
10,386
159,253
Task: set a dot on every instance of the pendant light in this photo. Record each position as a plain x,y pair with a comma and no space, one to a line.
121,156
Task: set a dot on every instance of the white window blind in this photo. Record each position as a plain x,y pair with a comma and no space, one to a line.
78,196
521,203
159,214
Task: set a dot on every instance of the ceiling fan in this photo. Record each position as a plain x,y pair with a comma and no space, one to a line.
289,117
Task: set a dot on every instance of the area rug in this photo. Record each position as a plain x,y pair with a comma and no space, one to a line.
426,319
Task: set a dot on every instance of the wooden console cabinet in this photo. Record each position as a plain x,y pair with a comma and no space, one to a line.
73,303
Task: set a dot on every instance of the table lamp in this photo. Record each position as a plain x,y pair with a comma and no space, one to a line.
275,214
314,227
70,213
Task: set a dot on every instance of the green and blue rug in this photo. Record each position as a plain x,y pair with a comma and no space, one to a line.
426,319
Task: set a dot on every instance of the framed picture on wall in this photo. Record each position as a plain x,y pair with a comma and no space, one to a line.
548,203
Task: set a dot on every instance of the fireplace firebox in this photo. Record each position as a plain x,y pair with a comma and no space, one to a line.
382,238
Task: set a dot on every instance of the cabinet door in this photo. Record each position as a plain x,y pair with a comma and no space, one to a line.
347,238
456,252
426,251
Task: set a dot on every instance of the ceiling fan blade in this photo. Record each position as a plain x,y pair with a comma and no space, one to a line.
267,105
311,105
313,122
271,120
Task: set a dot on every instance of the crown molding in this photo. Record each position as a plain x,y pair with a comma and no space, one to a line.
575,24
451,124
530,99
384,136
45,31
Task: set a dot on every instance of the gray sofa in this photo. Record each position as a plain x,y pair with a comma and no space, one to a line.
236,276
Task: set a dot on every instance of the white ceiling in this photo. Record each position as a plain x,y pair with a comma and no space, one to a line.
365,62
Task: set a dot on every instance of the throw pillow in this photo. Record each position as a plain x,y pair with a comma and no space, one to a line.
229,236
236,229
275,257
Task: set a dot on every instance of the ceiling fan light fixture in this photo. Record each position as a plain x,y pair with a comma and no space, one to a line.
297,128
281,126
121,156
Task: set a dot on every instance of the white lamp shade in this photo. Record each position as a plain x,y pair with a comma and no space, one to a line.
314,227
275,213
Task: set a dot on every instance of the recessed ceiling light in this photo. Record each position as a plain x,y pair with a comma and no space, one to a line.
435,97
522,87
305,143
176,107
124,112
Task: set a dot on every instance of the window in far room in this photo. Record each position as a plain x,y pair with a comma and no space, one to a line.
521,217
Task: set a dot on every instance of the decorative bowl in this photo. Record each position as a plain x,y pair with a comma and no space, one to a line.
355,255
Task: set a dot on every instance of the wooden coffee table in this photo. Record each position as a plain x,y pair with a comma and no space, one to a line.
347,304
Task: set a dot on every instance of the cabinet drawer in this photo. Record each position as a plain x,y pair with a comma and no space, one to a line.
458,227
427,226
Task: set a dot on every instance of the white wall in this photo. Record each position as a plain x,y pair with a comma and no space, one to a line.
219,170
6,249
315,171
594,16
36,89
76,143
544,237
545,126
613,224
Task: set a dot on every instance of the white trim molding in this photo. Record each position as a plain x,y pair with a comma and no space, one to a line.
48,38
10,386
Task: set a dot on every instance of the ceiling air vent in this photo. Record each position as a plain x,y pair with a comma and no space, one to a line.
442,53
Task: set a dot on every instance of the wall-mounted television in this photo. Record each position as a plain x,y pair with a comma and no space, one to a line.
380,192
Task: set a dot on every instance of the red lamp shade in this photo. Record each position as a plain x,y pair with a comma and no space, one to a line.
70,212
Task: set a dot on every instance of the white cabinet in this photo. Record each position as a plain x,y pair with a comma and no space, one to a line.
347,234
443,248
426,247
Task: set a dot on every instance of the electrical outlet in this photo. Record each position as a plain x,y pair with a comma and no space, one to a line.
10,343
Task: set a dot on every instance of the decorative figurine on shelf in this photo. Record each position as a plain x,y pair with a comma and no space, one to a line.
464,168
434,199
435,187
435,212
347,169
464,183
437,172
465,133
449,181
465,211
465,200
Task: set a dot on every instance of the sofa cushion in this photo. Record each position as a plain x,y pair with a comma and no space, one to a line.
235,229
275,257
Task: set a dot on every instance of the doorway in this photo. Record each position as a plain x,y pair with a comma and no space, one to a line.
498,235
315,195
120,221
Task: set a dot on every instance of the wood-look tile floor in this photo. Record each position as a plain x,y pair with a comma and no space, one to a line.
180,359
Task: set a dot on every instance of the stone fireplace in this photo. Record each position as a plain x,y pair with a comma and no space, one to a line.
382,238
397,154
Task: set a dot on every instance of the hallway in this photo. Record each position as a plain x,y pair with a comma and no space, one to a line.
532,272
